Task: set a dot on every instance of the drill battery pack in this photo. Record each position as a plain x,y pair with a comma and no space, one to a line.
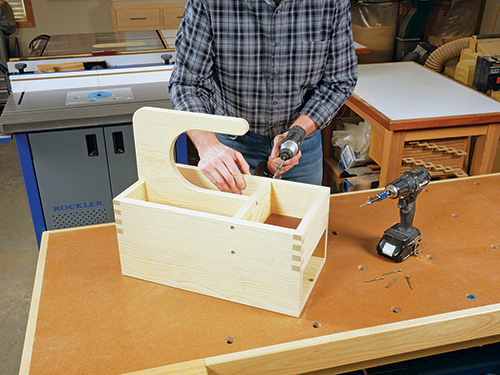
398,243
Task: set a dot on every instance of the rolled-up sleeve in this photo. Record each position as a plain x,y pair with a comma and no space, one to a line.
340,74
191,84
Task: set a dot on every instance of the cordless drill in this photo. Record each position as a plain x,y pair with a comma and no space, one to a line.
402,239
290,145
288,149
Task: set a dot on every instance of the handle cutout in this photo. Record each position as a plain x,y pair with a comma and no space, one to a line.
118,144
92,149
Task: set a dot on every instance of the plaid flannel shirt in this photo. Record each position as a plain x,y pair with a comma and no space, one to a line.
265,63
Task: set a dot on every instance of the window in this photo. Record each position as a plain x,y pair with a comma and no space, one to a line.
23,12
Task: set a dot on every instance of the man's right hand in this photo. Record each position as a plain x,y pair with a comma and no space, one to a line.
220,164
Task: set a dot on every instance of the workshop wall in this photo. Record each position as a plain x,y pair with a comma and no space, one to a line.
488,25
85,16
67,17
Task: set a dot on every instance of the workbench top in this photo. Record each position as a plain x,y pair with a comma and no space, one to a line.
87,318
407,92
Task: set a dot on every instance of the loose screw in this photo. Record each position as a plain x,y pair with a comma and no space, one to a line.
392,282
409,281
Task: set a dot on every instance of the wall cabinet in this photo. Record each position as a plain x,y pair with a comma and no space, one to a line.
134,15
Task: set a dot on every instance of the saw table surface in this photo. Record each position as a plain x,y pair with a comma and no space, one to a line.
87,318
49,110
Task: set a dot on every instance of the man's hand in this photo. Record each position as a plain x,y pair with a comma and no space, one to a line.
274,160
220,164
272,163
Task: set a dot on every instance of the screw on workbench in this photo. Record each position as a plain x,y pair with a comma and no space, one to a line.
409,281
392,282
388,273
375,279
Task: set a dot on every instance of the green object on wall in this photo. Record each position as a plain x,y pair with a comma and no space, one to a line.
414,23
412,27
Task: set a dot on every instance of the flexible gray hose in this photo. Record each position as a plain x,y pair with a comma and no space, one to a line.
439,57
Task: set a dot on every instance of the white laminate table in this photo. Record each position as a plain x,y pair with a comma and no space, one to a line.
405,102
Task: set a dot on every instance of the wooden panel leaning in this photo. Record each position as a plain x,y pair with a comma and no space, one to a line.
264,248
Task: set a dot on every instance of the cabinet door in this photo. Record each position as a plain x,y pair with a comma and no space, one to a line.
172,16
121,157
72,175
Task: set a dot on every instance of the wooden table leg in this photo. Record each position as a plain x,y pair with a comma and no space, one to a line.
485,151
392,155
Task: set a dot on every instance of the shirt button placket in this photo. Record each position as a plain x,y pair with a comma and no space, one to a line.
274,72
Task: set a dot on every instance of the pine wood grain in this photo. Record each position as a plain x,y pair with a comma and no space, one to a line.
188,235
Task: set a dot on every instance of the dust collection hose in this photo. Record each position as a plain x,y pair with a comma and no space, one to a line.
439,57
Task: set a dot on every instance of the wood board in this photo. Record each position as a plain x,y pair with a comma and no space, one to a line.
86,318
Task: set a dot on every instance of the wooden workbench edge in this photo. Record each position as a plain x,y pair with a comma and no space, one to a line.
375,117
196,367
35,297
372,192
354,350
365,344
35,302
407,356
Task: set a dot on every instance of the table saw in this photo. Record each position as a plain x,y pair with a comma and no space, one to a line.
73,129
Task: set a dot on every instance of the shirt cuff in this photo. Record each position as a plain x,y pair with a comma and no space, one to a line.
321,114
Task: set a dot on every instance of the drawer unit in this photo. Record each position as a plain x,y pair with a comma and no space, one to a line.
138,18
129,16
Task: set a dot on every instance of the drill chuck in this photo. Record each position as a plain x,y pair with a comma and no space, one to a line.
288,150
410,182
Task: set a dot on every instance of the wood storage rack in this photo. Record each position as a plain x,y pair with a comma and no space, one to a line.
442,157
264,248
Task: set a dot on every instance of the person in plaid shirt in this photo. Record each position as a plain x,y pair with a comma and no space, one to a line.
276,64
